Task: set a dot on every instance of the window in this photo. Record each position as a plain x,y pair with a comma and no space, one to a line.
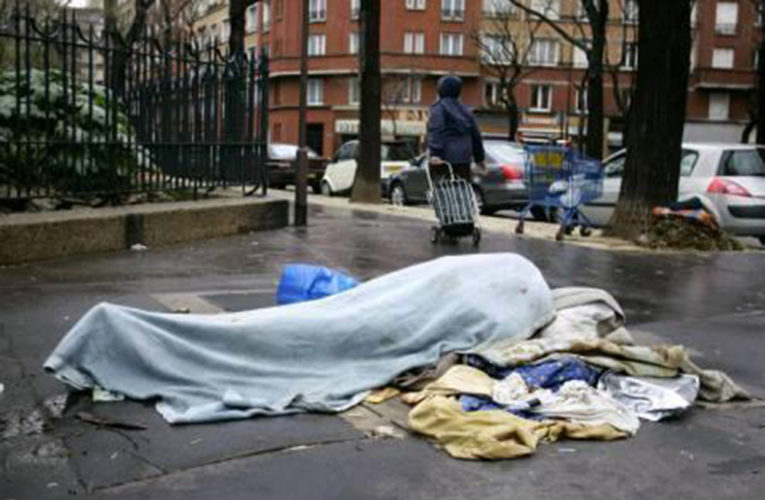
630,55
279,9
315,92
541,98
630,14
416,88
550,8
579,58
276,93
497,8
355,9
580,101
251,20
353,42
491,94
354,90
452,10
317,45
266,7
406,89
544,52
317,11
414,43
415,4
451,44
687,162
495,51
744,163
226,30
722,58
719,105
726,18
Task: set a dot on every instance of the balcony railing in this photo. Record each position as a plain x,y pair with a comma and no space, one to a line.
452,14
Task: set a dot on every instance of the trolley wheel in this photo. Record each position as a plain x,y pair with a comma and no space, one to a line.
519,227
476,237
585,231
560,235
435,234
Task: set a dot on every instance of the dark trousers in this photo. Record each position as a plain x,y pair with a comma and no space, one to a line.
461,171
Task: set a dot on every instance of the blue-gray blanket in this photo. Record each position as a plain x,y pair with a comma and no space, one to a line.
314,356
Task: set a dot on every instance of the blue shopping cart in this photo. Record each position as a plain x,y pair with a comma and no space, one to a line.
560,180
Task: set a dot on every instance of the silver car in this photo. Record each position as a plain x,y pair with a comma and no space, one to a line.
728,179
500,187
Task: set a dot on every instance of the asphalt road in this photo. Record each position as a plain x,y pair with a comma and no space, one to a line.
712,303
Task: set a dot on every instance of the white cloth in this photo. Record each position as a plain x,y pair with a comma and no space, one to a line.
578,402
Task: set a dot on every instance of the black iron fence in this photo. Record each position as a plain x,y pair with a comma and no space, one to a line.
84,115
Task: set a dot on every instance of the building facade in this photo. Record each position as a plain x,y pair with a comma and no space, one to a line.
423,40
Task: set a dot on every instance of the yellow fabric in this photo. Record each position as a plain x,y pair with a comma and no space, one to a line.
382,395
493,434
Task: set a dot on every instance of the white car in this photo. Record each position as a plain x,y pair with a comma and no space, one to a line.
728,179
341,169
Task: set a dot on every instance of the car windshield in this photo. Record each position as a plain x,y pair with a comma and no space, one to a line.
745,162
504,152
396,152
287,152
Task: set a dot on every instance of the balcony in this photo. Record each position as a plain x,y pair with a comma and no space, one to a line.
714,78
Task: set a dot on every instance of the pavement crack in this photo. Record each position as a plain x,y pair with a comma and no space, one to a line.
231,458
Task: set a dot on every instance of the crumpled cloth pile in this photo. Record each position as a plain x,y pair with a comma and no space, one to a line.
580,377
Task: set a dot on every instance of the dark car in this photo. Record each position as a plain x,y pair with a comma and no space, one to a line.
282,166
501,187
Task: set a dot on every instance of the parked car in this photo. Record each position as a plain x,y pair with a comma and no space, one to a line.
282,166
341,170
501,187
728,179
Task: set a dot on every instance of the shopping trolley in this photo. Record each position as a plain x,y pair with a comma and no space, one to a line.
455,205
560,180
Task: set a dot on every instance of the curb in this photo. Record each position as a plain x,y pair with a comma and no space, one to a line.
40,236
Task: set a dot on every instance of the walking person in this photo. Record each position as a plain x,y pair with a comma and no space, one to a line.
453,135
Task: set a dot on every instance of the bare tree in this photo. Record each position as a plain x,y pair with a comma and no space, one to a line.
597,13
123,42
657,116
624,91
505,44
757,105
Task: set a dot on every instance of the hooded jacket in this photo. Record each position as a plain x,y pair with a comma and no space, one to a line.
453,134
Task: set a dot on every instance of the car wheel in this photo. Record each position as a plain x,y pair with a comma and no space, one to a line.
326,190
398,195
762,240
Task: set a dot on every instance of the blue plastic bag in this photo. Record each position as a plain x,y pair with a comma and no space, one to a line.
302,282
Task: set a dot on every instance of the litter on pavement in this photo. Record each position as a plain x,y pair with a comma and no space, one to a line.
491,360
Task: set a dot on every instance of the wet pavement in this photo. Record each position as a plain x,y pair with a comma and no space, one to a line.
712,303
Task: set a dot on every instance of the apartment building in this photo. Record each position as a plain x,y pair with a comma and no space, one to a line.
423,40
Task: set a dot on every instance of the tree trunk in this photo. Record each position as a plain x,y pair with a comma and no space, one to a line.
122,45
511,105
366,185
657,115
235,84
761,80
594,145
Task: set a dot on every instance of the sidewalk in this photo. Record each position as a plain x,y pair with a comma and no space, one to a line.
683,298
